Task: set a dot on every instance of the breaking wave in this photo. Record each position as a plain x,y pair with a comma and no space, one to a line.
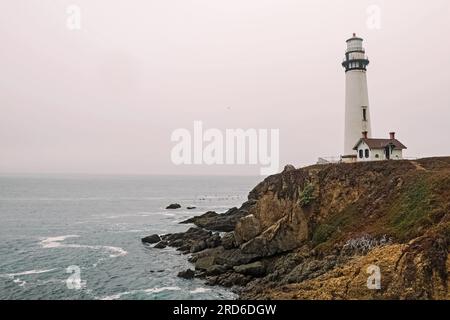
56,242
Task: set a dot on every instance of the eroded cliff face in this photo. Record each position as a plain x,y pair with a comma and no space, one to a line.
312,233
405,203
277,222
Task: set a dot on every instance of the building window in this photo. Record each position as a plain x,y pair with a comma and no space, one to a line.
377,156
361,153
364,114
366,153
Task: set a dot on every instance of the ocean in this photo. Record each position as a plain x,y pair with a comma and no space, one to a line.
79,236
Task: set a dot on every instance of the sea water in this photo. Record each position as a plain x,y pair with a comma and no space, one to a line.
79,236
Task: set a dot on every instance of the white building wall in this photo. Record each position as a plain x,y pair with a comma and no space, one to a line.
362,150
376,154
356,96
397,154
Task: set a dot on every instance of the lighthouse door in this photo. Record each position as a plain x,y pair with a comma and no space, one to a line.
387,152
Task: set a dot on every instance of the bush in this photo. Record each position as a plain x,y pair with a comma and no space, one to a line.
323,233
306,196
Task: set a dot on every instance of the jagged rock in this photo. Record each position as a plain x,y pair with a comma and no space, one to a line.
235,279
213,241
255,269
198,246
288,168
185,248
177,243
204,263
235,257
191,208
247,228
216,270
224,222
216,222
310,268
193,258
228,241
229,279
154,238
275,239
173,206
160,245
187,274
185,240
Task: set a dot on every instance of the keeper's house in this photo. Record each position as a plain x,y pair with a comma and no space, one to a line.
368,149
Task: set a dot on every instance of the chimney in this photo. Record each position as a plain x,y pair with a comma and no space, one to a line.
354,34
364,134
392,134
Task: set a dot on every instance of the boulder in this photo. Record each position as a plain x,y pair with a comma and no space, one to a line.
224,222
173,206
161,245
187,274
198,246
186,248
213,241
154,238
247,228
215,270
228,241
185,240
235,257
204,263
255,269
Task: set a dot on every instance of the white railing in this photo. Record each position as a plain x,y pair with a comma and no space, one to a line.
328,160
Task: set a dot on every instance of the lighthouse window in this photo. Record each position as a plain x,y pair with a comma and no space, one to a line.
364,115
366,153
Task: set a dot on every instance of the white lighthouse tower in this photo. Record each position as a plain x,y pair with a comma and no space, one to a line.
357,115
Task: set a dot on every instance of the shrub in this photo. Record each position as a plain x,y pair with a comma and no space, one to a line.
306,196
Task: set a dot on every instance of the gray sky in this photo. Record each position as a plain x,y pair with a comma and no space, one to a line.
106,98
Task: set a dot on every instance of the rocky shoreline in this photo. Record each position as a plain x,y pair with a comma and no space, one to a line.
311,233
213,249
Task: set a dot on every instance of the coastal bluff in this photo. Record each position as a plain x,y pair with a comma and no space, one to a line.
319,232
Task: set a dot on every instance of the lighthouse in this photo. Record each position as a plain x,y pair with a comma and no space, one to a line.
357,115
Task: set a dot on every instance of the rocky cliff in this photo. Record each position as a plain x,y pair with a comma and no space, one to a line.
327,232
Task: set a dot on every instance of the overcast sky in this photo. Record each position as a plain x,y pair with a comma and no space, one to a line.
106,98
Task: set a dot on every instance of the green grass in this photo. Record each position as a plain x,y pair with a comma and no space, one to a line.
410,210
335,224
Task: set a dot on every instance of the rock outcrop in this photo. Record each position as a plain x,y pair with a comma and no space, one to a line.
324,232
154,238
224,222
173,206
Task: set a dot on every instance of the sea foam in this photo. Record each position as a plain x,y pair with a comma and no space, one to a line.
56,242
